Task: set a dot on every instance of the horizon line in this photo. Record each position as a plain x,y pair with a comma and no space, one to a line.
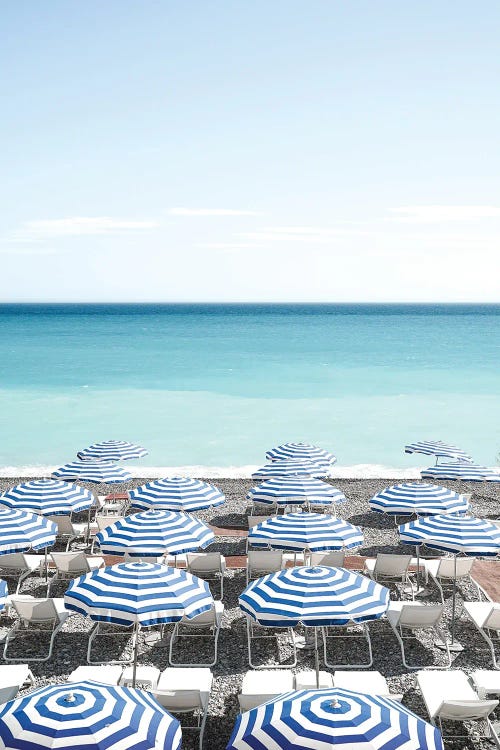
4,303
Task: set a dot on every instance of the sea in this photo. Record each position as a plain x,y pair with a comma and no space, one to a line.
208,388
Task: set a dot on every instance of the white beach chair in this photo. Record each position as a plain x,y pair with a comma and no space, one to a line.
12,678
368,681
332,559
413,616
264,685
207,565
449,696
261,632
263,561
107,675
68,530
442,572
350,631
144,675
486,618
389,568
19,565
306,680
116,633
111,508
207,624
263,509
186,690
36,616
102,522
70,565
254,521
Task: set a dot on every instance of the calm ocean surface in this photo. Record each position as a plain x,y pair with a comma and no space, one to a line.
217,385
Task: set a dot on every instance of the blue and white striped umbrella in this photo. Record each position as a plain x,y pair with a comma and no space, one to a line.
154,532
291,467
461,472
140,593
48,497
21,531
112,450
464,535
419,498
97,472
437,448
176,493
317,596
311,531
290,490
332,719
301,452
87,716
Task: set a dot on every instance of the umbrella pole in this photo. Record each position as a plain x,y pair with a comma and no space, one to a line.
136,651
46,567
454,646
316,656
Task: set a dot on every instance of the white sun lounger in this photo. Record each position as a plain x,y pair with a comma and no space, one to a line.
186,690
19,565
33,614
486,618
405,616
449,696
108,675
207,624
368,681
263,685
306,680
12,678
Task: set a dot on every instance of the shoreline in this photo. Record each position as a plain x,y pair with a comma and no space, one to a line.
356,471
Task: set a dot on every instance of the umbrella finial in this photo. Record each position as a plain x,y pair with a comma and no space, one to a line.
334,703
70,698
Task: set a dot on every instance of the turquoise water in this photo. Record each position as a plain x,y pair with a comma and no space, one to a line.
217,385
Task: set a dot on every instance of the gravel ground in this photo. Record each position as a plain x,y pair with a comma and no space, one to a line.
380,535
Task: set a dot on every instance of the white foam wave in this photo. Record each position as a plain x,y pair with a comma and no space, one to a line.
357,471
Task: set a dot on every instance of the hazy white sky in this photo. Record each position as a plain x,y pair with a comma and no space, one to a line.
275,151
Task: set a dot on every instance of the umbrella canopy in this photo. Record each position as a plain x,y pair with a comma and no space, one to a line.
311,531
176,493
112,450
291,467
333,718
418,498
289,490
461,471
154,532
464,535
437,448
48,497
314,597
87,715
301,452
21,531
140,593
98,472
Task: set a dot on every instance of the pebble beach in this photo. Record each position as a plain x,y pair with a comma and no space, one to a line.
380,535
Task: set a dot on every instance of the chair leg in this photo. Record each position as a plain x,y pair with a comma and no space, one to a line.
16,631
440,588
266,666
22,578
491,644
365,634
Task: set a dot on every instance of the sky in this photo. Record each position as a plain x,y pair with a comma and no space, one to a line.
273,150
